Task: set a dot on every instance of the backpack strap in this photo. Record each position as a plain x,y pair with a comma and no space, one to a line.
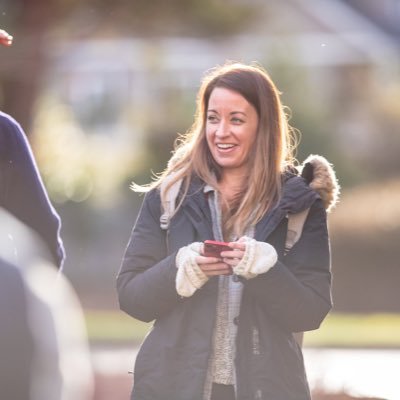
295,228
168,199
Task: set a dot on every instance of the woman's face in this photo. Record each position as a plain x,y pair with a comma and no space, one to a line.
231,129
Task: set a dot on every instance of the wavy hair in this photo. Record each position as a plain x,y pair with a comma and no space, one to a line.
273,148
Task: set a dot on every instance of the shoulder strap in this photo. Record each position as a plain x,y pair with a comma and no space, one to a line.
168,200
295,228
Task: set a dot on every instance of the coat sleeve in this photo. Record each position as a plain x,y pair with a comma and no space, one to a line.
146,280
296,292
23,192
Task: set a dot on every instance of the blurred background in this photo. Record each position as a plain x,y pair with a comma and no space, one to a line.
102,88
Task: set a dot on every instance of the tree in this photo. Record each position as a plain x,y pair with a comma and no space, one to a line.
35,23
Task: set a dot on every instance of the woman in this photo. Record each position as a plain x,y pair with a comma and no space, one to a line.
224,325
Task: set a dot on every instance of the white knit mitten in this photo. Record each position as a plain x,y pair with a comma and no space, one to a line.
258,258
189,277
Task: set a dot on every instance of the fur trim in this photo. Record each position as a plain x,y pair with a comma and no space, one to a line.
321,177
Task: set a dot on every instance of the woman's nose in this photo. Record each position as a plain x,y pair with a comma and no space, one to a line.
222,129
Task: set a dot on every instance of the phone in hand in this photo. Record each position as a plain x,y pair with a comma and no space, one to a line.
213,248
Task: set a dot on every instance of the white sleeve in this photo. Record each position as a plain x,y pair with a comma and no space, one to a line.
189,277
259,257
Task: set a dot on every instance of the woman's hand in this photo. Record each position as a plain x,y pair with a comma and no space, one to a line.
195,269
213,266
5,38
249,257
234,256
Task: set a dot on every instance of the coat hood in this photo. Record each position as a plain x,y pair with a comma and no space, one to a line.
321,177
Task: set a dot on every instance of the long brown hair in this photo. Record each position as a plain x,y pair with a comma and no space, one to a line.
273,149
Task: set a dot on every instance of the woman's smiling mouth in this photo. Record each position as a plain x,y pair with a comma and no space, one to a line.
225,146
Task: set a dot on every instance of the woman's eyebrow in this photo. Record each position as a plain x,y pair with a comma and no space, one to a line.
211,110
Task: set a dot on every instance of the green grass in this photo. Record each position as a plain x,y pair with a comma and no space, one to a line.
114,327
357,330
338,330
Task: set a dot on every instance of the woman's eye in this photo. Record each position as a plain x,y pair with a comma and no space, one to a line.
212,118
237,121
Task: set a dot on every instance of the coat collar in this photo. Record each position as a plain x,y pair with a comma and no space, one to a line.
296,196
196,208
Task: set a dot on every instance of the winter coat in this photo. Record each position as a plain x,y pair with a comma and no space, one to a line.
22,192
294,295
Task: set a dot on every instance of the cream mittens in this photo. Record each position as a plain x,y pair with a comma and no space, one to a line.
189,277
258,258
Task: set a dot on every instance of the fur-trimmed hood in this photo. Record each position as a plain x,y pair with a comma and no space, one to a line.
320,175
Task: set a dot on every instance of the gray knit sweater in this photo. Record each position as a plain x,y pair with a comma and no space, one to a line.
221,366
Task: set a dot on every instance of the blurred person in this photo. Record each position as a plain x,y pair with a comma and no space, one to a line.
16,341
61,367
21,188
224,325
22,192
43,342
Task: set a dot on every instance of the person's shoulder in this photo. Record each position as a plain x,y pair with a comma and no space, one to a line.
151,199
297,195
291,179
10,130
13,141
7,121
153,195
315,178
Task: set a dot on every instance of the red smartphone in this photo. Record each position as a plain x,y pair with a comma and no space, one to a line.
213,248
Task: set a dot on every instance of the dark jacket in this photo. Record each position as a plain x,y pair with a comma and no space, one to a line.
16,339
22,192
292,296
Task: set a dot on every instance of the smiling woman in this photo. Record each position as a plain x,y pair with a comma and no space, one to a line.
225,323
231,130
